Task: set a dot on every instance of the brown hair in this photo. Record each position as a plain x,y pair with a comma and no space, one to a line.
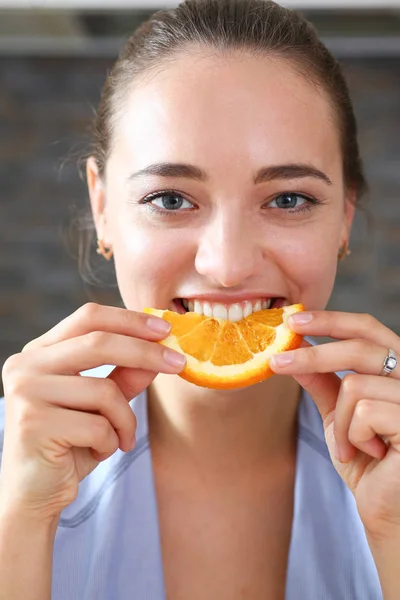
261,27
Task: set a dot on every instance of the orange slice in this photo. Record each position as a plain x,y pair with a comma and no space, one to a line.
225,355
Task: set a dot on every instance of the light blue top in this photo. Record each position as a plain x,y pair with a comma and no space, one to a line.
107,544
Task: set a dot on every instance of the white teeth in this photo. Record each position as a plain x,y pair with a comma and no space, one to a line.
220,312
198,307
207,309
267,303
235,313
257,306
248,309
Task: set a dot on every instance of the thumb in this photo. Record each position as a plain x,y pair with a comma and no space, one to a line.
324,390
132,381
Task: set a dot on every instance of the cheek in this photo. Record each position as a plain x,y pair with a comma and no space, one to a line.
313,266
149,262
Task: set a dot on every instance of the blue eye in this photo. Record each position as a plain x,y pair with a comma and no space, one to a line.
291,201
168,201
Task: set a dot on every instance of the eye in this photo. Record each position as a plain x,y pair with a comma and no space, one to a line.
291,201
168,201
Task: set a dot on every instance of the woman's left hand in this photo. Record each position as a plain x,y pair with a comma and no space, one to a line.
358,410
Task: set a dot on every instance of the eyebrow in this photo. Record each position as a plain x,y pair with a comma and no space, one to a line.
265,174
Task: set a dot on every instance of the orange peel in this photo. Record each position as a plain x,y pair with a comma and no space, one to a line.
225,355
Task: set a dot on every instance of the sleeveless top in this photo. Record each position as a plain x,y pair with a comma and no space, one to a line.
107,544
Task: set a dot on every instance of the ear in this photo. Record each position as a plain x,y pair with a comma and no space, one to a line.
350,203
97,199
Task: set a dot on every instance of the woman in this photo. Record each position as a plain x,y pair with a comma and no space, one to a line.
225,169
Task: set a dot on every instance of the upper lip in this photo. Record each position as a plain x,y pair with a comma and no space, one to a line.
230,298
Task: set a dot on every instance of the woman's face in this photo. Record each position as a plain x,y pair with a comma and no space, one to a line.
225,184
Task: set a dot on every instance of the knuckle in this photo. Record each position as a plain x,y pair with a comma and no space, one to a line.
25,418
11,365
350,384
369,321
363,409
360,347
313,353
101,428
105,435
88,311
127,317
30,346
15,387
109,392
16,383
95,339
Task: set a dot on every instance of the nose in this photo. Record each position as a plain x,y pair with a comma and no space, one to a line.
229,252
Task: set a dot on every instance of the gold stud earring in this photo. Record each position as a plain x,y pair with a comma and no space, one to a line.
344,251
101,249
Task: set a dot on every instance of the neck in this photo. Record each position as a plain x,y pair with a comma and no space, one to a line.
222,429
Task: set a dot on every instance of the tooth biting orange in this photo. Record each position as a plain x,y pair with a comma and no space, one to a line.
225,355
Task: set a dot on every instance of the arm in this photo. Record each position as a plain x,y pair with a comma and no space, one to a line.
59,426
26,549
386,555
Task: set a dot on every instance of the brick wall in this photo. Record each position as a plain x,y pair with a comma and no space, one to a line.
45,107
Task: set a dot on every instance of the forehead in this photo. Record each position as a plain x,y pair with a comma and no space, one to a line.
237,109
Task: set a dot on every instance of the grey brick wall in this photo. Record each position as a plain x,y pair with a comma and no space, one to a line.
45,108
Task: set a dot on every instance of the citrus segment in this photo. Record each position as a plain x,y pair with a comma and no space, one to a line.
272,317
224,355
182,326
230,348
200,342
257,336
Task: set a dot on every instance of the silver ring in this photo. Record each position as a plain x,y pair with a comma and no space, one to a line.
389,364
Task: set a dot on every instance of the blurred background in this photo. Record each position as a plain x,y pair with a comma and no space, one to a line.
54,57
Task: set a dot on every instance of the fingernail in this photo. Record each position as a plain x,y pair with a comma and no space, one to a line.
158,325
133,444
301,318
174,358
281,360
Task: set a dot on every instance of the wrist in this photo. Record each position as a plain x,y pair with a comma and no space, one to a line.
386,551
18,516
26,552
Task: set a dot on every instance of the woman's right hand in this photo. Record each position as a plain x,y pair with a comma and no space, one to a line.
59,424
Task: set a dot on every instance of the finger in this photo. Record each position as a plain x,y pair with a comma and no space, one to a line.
348,355
73,429
132,382
323,389
95,317
344,326
373,418
71,356
353,388
94,395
